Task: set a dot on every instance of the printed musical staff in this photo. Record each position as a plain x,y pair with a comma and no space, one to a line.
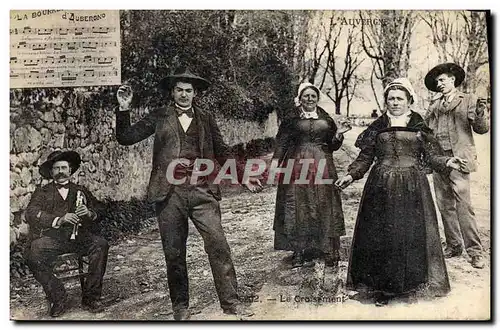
80,48
63,59
63,75
63,31
64,45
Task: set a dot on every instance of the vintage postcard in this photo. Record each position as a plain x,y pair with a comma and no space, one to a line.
250,165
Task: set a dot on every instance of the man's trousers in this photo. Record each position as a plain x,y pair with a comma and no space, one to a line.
198,204
44,251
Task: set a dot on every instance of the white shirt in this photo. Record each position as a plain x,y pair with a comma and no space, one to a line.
450,96
184,119
64,194
401,120
64,190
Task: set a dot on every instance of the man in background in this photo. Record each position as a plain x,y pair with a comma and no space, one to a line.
453,116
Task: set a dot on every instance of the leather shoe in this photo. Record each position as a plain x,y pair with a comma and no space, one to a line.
477,262
58,308
382,300
238,310
452,252
93,306
182,314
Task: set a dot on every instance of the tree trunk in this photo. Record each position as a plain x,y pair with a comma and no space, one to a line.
337,106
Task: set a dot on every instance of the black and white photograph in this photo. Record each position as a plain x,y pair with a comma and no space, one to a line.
250,165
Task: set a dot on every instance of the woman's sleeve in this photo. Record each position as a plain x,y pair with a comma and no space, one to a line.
366,141
282,141
362,163
336,143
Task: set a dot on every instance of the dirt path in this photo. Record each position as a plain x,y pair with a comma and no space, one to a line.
135,281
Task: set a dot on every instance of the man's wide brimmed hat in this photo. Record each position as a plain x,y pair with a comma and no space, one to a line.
72,157
184,74
452,68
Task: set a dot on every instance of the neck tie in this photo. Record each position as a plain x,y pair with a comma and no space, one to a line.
62,185
188,112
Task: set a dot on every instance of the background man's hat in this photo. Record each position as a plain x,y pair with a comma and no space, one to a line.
184,74
71,157
454,69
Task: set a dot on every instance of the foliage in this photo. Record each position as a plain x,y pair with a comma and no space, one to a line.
239,56
247,56
119,218
260,147
18,266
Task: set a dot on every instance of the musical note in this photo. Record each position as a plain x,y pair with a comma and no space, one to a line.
78,31
30,62
108,73
89,45
102,29
48,59
39,47
105,60
41,32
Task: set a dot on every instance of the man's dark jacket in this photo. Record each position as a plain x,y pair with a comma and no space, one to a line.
46,204
162,122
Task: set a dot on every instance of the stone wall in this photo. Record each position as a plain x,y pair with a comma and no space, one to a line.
236,131
108,170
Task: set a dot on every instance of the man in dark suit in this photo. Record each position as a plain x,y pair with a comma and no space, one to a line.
184,133
453,116
60,215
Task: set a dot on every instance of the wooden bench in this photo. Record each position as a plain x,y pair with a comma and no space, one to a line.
65,265
63,272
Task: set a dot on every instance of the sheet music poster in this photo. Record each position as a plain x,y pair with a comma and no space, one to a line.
64,48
